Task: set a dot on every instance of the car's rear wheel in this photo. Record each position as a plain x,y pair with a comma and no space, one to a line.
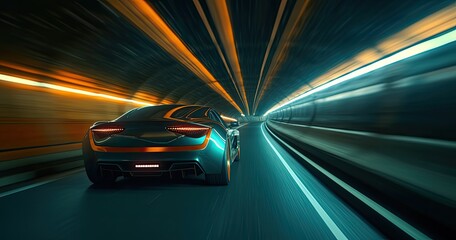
93,170
223,178
96,177
238,156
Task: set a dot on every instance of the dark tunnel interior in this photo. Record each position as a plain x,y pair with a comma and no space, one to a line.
227,119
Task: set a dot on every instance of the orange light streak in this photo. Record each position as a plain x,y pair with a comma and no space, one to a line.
62,77
228,118
146,19
23,81
222,22
73,80
200,10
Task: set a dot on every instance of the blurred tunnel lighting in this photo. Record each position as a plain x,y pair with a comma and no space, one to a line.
401,55
228,118
23,81
222,22
145,18
432,25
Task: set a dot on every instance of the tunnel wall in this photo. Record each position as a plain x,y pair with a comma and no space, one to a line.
390,132
414,97
40,127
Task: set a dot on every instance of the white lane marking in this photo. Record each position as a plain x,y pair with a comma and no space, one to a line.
335,230
404,226
242,125
53,179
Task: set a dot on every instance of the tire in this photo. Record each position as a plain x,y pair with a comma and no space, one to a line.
223,178
238,156
95,176
92,170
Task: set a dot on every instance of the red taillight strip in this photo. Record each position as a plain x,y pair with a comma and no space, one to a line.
108,130
187,128
149,149
189,131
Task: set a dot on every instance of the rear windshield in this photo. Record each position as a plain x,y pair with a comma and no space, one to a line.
184,112
146,113
158,112
200,113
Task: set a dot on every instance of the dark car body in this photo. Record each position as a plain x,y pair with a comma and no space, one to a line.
158,140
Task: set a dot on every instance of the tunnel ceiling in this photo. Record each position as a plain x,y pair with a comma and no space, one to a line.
253,53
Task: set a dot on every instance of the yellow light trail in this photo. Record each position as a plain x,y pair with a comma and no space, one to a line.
228,118
432,25
200,10
23,81
222,22
66,78
147,20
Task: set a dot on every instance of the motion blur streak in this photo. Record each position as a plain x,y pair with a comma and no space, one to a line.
409,52
63,78
278,19
145,18
228,118
217,46
221,18
370,102
410,230
328,221
432,25
23,81
292,30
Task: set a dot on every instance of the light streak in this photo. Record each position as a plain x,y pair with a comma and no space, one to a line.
404,226
432,25
228,118
335,230
222,22
145,18
23,81
401,55
278,19
292,29
200,10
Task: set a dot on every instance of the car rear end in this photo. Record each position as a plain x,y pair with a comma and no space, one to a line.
153,147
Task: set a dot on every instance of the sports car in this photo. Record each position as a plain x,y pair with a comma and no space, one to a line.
175,140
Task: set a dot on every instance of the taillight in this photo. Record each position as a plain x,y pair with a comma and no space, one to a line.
101,132
189,131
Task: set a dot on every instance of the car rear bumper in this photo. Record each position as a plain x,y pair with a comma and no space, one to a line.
208,160
151,168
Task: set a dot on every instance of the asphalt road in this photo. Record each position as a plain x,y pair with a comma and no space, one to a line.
269,197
